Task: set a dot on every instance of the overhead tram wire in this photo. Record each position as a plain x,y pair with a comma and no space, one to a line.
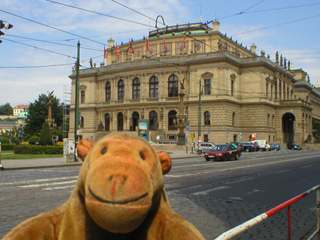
106,15
36,48
276,25
269,10
45,25
61,44
40,66
136,11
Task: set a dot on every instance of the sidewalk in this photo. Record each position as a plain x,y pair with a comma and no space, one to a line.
60,162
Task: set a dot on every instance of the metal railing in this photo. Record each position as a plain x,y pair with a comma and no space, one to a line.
254,221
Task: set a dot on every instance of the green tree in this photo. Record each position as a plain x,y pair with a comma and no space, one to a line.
38,113
6,109
45,135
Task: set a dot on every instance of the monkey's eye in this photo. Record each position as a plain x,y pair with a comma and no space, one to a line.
104,150
142,156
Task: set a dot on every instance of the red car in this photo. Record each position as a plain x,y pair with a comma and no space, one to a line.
223,152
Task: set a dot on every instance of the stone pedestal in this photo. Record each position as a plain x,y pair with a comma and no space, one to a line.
181,139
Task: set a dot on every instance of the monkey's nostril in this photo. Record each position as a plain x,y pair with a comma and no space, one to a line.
111,178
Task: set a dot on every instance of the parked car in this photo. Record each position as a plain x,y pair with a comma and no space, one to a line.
247,147
275,146
263,144
203,147
223,152
294,146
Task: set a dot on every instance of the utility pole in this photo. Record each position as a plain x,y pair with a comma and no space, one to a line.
76,103
200,114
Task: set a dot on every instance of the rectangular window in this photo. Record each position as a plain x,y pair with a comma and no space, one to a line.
83,96
207,86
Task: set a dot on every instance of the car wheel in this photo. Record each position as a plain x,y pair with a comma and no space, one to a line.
207,159
237,157
199,152
292,148
247,150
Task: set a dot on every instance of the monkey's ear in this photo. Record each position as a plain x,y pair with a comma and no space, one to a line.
84,147
166,162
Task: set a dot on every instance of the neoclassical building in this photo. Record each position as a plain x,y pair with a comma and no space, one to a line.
230,92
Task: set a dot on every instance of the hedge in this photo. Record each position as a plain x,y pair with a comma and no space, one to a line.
7,146
34,149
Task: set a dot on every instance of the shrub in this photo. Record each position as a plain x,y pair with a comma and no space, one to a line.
7,147
4,140
35,149
34,140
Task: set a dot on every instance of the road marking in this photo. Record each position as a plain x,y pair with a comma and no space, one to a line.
57,188
210,190
236,198
241,180
47,184
235,168
38,180
306,166
282,171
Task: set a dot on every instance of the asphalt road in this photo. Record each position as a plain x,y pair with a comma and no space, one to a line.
214,196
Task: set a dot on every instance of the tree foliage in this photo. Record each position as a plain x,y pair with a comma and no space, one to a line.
38,113
45,135
6,109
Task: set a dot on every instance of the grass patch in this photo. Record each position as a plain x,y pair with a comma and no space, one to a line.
28,156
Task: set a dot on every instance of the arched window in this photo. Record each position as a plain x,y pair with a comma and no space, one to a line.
154,87
173,86
121,90
172,119
108,91
120,122
153,120
206,118
136,88
135,120
107,122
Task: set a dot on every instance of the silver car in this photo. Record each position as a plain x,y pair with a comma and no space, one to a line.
203,147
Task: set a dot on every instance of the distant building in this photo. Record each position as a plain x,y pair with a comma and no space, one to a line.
232,93
20,108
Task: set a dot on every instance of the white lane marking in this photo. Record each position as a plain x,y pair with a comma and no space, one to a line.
38,180
47,184
282,171
306,166
236,198
235,168
225,163
241,180
57,188
210,190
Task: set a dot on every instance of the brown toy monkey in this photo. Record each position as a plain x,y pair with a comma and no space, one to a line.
119,195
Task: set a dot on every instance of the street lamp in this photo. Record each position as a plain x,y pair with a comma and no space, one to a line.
6,25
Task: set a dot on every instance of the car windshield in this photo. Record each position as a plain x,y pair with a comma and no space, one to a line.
220,148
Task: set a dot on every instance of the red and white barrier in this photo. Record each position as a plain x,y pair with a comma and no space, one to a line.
254,221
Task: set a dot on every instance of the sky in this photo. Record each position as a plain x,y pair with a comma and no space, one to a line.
37,54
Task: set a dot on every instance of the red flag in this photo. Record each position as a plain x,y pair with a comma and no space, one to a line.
105,52
164,44
117,50
130,48
185,41
148,44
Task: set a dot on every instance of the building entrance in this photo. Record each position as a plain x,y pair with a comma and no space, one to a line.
288,127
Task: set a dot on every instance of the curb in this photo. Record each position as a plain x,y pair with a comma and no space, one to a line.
63,165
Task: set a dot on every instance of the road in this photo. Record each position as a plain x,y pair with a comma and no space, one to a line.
214,196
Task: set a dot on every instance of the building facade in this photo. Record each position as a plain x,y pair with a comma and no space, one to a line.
230,93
